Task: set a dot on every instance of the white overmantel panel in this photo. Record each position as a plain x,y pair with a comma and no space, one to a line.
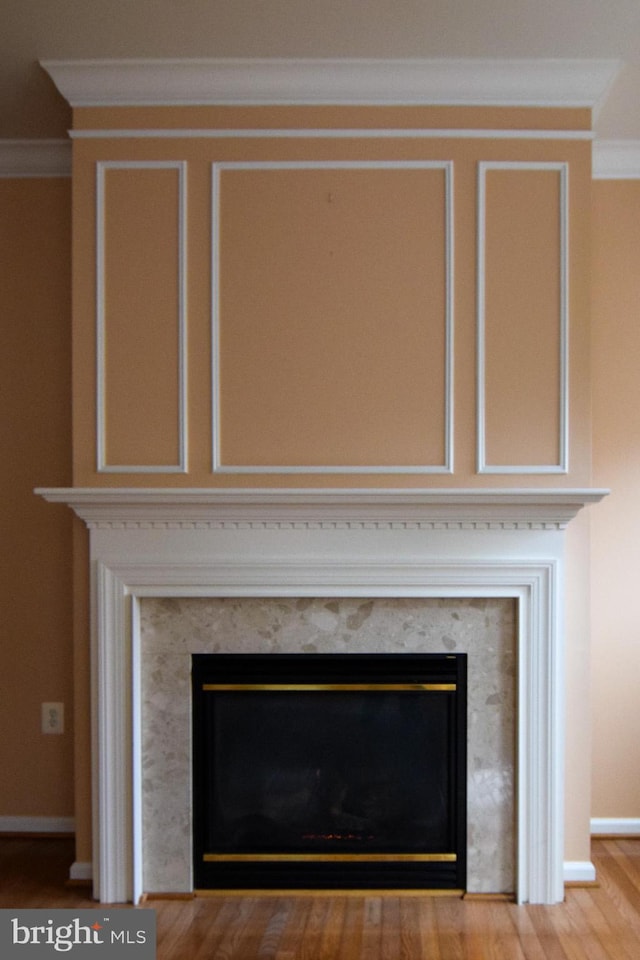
394,543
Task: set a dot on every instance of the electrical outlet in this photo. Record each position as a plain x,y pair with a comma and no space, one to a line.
53,717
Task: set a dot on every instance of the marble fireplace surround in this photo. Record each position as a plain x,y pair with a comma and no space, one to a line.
197,543
171,629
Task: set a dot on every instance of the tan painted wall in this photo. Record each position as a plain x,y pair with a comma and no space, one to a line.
35,546
616,522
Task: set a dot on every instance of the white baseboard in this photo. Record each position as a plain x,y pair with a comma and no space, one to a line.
578,871
615,826
81,871
37,825
78,870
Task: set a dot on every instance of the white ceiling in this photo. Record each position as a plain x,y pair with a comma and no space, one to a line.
35,30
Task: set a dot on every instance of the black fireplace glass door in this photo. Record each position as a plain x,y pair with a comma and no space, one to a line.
329,770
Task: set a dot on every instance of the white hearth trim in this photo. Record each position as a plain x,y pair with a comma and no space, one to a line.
363,543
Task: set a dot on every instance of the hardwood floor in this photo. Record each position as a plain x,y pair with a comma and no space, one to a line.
595,923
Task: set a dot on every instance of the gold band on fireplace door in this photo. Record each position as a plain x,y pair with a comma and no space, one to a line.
334,857
321,687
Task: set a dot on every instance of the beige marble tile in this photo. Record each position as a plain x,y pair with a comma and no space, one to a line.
173,629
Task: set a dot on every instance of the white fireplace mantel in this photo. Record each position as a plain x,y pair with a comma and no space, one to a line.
174,542
161,505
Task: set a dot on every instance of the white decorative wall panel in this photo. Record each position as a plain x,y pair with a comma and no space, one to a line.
103,385
519,229
220,171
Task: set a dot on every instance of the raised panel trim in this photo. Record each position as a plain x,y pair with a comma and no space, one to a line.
562,466
218,466
101,427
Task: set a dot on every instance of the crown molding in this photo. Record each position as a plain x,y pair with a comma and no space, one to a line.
151,506
35,158
616,160
612,159
469,82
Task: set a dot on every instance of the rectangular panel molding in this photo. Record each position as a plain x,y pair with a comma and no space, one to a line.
140,274
522,318
289,288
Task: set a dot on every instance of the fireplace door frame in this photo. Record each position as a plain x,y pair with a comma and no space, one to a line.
442,676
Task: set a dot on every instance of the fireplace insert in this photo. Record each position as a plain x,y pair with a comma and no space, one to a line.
329,771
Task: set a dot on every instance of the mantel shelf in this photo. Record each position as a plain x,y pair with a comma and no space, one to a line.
544,506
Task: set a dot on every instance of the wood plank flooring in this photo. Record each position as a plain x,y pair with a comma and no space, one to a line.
595,923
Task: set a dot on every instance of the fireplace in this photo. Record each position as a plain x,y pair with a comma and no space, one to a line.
155,544
172,630
329,770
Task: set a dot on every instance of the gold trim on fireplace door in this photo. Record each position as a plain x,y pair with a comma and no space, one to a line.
320,687
373,857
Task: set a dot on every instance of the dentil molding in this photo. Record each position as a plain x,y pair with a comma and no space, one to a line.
517,508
